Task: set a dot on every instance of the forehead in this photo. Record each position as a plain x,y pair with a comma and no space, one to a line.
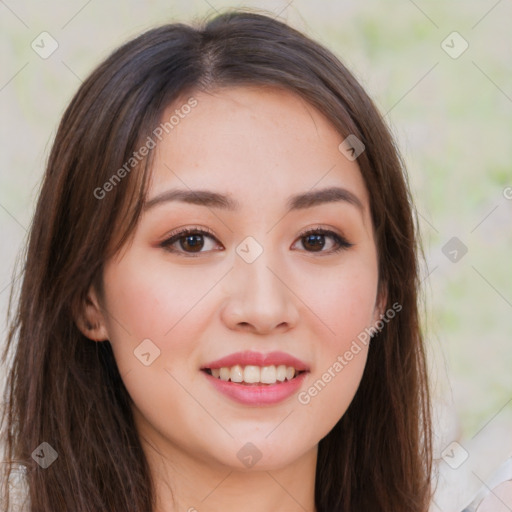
252,142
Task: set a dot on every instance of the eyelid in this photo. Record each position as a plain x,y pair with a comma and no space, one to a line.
186,229
320,227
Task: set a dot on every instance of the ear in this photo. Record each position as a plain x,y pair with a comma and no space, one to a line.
90,319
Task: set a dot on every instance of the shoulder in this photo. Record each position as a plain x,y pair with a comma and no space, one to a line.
496,494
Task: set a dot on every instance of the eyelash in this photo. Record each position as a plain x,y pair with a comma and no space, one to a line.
340,241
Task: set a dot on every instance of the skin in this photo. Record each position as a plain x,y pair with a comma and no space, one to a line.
259,146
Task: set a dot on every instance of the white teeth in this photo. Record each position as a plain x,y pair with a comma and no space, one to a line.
268,375
251,374
255,374
281,373
237,374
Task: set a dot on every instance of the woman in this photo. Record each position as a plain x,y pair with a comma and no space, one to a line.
219,304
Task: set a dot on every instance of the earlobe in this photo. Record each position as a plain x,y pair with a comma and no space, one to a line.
90,319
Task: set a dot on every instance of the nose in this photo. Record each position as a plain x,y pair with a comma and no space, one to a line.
259,299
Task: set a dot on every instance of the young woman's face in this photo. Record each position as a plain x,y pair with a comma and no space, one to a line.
256,295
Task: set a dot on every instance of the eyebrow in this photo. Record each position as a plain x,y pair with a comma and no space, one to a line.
224,202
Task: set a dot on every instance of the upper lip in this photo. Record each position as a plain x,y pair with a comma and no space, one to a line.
257,359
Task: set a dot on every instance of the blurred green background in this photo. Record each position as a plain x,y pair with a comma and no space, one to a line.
451,115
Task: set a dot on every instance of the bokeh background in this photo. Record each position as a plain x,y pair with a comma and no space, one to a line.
447,98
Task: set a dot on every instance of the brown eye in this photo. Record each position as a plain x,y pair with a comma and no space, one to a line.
314,242
194,243
317,239
190,241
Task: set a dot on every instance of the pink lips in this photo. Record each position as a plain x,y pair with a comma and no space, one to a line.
258,359
256,395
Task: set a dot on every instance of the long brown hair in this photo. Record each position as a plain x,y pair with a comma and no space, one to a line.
65,390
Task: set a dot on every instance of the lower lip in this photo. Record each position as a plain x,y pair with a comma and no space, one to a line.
266,394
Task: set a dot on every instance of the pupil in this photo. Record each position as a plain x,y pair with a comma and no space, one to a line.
194,242
317,242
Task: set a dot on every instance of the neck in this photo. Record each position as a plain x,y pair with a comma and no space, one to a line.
185,483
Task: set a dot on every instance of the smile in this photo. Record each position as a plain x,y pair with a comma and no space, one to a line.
254,375
253,378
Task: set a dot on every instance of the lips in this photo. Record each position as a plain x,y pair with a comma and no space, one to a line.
250,358
253,378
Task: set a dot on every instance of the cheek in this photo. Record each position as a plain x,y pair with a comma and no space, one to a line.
342,300
326,397
155,301
341,360
342,307
160,304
